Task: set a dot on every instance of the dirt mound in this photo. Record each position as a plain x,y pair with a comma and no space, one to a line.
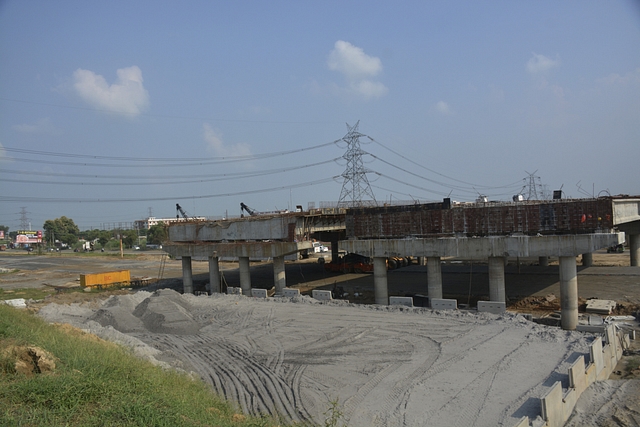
26,360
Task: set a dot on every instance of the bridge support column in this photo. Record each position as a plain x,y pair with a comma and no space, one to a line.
634,249
496,279
434,277
568,293
279,278
214,274
334,251
187,275
380,288
587,259
543,261
245,275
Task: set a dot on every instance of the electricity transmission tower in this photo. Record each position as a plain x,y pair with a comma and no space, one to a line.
535,189
24,220
356,190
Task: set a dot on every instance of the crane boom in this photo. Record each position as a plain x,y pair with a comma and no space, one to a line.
180,211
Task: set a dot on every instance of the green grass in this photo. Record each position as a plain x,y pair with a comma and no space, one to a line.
98,383
26,293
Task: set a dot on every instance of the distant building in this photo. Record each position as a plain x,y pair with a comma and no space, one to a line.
151,221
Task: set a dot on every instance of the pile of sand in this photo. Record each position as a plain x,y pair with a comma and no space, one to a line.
386,366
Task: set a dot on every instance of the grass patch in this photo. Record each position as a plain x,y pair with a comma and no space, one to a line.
98,383
26,293
633,363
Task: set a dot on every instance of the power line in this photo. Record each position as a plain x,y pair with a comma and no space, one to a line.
151,199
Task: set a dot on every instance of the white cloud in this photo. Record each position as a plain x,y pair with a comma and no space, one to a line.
443,107
215,144
541,64
352,61
357,67
127,95
41,126
617,79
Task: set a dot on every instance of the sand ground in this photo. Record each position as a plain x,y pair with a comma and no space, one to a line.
384,366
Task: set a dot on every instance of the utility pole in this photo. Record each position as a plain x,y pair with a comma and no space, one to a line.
355,186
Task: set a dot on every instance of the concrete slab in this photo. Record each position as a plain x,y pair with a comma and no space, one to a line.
444,304
290,293
595,352
405,301
494,307
16,302
552,408
258,293
600,306
321,295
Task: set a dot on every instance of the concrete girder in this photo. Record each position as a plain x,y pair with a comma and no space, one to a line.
481,248
201,251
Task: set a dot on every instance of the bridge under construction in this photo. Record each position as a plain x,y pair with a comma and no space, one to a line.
481,231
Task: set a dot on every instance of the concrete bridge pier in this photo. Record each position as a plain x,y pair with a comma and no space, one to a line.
496,279
279,277
434,277
187,275
568,292
587,259
214,274
543,261
380,288
245,275
634,249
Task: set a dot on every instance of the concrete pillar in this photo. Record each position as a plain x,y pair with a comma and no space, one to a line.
634,249
187,275
380,281
568,292
334,251
214,274
496,279
279,278
543,261
587,259
434,277
245,275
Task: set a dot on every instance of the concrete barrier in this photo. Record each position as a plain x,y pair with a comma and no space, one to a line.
494,307
405,301
444,304
234,291
258,293
557,406
321,295
290,293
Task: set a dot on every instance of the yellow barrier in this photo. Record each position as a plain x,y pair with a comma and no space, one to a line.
105,279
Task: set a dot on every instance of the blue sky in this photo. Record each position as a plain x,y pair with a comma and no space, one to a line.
112,110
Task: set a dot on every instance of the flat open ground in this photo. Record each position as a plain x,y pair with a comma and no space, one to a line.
384,366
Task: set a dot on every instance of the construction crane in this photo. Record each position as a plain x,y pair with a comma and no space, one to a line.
180,211
247,209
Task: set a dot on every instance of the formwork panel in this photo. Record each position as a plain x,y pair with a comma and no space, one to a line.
489,219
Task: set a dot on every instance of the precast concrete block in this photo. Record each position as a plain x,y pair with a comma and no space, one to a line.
258,293
405,301
321,295
290,293
495,307
590,373
594,329
444,304
569,401
234,291
595,352
523,422
577,376
607,352
552,407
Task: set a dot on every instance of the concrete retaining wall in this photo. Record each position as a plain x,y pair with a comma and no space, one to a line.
557,405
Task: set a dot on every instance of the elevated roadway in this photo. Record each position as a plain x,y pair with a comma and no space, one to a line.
492,232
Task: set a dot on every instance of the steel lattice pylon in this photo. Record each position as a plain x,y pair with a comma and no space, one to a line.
355,187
